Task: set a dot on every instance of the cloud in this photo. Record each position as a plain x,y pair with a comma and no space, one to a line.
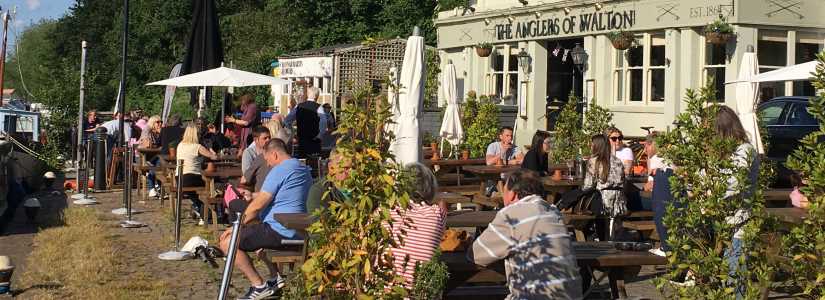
33,4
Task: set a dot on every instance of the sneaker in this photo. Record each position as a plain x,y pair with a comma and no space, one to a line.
153,193
277,282
259,293
657,251
687,281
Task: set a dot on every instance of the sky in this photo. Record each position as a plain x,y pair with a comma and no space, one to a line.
30,11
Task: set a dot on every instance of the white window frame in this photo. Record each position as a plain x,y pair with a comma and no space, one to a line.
505,51
706,67
622,69
787,86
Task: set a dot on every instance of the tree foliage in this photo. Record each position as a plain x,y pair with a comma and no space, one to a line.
482,117
698,227
349,259
805,245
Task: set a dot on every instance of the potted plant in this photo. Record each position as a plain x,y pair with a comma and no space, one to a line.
621,40
484,49
718,32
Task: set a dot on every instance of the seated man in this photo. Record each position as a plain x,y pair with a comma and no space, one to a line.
504,152
530,234
260,136
284,191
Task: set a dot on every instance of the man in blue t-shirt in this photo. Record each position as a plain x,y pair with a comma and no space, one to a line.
284,191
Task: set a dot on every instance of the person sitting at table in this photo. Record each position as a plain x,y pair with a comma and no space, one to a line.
658,182
189,151
339,170
260,135
150,138
624,153
530,234
503,152
419,228
606,175
536,157
215,139
171,134
284,191
277,130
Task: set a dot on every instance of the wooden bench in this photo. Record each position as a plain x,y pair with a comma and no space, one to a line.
647,228
466,190
286,260
777,197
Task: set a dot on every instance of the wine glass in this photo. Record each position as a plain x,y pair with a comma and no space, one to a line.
570,165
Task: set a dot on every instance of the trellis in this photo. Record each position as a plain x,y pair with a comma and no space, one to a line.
367,65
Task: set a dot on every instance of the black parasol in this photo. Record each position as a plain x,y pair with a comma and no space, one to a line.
205,48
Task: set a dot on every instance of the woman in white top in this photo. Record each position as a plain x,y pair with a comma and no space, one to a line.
189,151
622,152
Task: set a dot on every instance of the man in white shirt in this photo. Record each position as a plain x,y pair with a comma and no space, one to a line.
504,152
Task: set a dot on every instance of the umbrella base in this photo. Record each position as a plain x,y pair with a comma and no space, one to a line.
131,224
85,201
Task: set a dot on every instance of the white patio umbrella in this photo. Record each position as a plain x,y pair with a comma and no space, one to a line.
747,98
221,76
451,130
789,73
392,98
407,144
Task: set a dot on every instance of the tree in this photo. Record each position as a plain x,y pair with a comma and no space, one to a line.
805,245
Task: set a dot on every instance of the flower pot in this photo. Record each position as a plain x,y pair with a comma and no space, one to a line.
556,175
484,52
465,154
717,38
622,43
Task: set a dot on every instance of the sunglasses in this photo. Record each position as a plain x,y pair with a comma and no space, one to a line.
615,138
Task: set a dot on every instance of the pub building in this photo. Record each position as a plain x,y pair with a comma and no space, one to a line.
536,45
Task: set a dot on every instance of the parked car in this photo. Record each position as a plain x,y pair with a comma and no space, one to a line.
787,121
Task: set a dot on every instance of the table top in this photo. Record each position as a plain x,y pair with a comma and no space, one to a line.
451,198
456,162
490,170
483,218
548,181
149,150
793,215
232,172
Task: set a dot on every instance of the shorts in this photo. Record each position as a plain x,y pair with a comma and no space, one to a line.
258,236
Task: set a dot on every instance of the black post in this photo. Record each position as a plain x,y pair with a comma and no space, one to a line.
122,109
100,158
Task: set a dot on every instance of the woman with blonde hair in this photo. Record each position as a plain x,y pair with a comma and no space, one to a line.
189,153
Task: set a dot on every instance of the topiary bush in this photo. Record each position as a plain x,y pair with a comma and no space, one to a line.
483,128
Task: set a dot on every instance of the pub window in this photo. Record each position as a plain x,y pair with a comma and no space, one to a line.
505,74
772,53
714,71
639,72
807,46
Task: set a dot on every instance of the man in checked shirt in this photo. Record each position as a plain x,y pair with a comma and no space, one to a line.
530,235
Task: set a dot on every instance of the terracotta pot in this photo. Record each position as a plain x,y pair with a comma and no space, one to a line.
622,43
210,167
717,38
484,52
556,175
465,154
172,152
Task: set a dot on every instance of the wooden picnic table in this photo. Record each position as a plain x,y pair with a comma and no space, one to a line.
447,165
552,187
486,172
790,215
588,254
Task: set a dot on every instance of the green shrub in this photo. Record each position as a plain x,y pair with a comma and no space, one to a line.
483,128
430,279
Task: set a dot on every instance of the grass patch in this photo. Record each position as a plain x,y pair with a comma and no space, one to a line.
80,261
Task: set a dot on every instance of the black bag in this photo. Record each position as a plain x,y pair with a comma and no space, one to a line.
596,202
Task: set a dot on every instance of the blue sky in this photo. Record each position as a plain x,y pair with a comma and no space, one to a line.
29,11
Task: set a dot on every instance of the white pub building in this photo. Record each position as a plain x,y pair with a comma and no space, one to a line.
532,64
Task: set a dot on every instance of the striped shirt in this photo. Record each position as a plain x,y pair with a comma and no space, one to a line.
418,231
539,261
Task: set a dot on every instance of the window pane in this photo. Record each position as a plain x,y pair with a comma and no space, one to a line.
636,81
657,85
770,90
806,52
513,88
715,54
498,62
657,49
499,85
716,77
620,58
772,53
635,56
513,62
619,85
803,88
770,113
799,116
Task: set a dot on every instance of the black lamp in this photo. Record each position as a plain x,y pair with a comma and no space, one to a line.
579,56
524,61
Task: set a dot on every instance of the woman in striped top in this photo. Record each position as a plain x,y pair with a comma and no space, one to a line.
420,226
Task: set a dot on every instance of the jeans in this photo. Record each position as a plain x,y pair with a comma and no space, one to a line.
150,177
662,198
732,255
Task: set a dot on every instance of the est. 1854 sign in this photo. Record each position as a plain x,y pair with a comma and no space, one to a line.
597,21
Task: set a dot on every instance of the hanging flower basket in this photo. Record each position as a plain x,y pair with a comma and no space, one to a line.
717,38
621,40
484,49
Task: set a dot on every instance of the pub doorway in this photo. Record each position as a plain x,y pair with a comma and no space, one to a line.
562,77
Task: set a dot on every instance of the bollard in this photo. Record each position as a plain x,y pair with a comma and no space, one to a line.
100,159
176,254
82,197
230,256
127,165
